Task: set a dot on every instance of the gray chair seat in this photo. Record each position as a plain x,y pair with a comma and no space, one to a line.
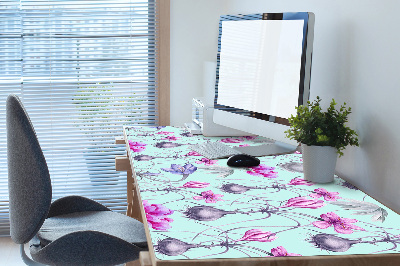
111,223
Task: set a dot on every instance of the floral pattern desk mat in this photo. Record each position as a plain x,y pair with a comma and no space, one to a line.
198,208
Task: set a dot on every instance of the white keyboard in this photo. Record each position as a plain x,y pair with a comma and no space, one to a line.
214,150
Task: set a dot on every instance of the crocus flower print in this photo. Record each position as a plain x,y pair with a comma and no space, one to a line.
322,192
156,215
304,202
258,235
164,132
341,225
207,161
184,170
196,184
136,146
262,170
231,140
193,153
282,252
300,181
209,196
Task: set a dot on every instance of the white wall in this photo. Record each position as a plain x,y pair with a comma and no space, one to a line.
355,59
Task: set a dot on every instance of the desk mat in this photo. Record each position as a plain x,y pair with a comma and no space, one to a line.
198,208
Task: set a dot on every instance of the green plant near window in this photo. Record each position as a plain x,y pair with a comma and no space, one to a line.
312,126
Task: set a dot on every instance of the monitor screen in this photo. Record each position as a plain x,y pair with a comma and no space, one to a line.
260,63
263,71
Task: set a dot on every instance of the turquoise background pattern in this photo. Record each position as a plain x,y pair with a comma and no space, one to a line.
250,212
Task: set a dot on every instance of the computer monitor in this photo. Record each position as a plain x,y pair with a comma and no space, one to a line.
263,73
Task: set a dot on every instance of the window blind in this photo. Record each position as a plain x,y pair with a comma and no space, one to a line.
83,69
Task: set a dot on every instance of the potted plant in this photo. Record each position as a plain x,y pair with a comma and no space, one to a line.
323,135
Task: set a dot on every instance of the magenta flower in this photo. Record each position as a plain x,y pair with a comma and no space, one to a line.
136,146
231,140
262,170
244,145
258,235
303,202
249,137
195,184
300,181
322,192
209,196
171,138
156,215
193,153
207,161
164,132
281,252
341,225
297,152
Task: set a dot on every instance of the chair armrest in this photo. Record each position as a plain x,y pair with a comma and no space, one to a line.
72,204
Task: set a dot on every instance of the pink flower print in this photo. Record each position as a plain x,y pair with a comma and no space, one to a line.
156,215
249,137
196,184
244,145
258,235
171,138
297,152
303,202
207,161
136,146
322,192
231,140
209,196
300,181
164,132
282,252
193,153
262,170
341,225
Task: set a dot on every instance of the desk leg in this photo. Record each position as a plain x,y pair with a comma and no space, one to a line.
133,198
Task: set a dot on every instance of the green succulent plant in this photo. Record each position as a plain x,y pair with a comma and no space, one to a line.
312,126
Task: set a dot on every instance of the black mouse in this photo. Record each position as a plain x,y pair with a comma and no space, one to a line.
243,160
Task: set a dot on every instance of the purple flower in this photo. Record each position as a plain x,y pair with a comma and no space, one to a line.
281,252
136,146
249,137
322,192
156,215
196,184
300,181
303,202
231,140
209,196
341,225
262,170
258,235
165,144
207,161
177,169
143,157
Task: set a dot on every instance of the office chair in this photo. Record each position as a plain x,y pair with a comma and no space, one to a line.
70,231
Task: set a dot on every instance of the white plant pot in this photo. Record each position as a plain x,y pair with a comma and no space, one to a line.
319,163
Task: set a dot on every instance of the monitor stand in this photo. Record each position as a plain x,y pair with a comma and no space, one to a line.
275,148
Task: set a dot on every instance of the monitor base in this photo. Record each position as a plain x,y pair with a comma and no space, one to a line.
276,148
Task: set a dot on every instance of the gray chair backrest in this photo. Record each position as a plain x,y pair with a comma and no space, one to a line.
29,183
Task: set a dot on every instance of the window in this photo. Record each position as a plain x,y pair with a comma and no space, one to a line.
83,69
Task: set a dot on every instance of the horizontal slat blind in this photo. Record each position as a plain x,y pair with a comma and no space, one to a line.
83,69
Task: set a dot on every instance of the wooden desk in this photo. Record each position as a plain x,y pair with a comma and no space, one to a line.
252,216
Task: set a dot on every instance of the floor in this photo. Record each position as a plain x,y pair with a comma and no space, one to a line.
9,253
